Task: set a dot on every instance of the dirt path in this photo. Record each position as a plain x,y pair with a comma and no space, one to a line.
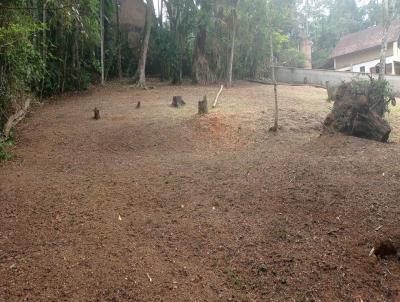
158,204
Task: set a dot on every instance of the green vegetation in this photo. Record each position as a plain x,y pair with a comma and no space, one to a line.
380,94
4,146
235,279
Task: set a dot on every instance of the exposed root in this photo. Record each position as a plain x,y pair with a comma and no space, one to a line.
142,85
16,118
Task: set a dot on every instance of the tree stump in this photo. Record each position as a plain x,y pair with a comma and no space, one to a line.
386,248
96,114
177,101
203,106
356,112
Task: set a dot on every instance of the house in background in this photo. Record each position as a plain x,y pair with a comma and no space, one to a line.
360,51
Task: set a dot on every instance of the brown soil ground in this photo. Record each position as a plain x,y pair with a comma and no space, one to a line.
159,204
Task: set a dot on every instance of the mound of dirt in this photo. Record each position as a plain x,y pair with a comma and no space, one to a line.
214,129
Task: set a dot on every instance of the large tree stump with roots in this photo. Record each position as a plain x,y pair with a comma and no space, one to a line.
358,111
203,106
177,101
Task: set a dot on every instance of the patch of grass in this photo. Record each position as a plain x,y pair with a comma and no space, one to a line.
235,279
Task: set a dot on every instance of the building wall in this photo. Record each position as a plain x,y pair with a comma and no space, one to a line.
361,57
320,77
396,50
370,65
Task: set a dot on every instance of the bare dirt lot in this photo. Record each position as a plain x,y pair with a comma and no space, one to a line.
159,204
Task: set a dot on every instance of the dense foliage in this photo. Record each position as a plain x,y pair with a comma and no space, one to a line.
47,47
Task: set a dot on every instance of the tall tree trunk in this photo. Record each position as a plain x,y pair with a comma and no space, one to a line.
177,75
174,11
141,72
232,48
77,54
256,50
202,73
44,34
386,25
119,41
62,53
160,7
102,40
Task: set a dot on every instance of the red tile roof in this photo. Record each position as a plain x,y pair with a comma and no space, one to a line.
365,39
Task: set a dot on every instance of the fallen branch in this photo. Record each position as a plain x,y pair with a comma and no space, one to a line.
14,119
216,98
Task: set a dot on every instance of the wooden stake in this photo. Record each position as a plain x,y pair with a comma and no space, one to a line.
216,98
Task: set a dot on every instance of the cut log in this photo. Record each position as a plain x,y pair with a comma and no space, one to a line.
14,119
177,101
216,98
96,112
203,106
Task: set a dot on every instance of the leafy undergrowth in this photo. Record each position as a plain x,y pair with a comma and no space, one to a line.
4,148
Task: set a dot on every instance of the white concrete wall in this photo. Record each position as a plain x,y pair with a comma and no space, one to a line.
369,65
372,63
320,77
396,50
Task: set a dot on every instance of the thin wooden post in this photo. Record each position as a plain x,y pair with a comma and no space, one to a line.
275,127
